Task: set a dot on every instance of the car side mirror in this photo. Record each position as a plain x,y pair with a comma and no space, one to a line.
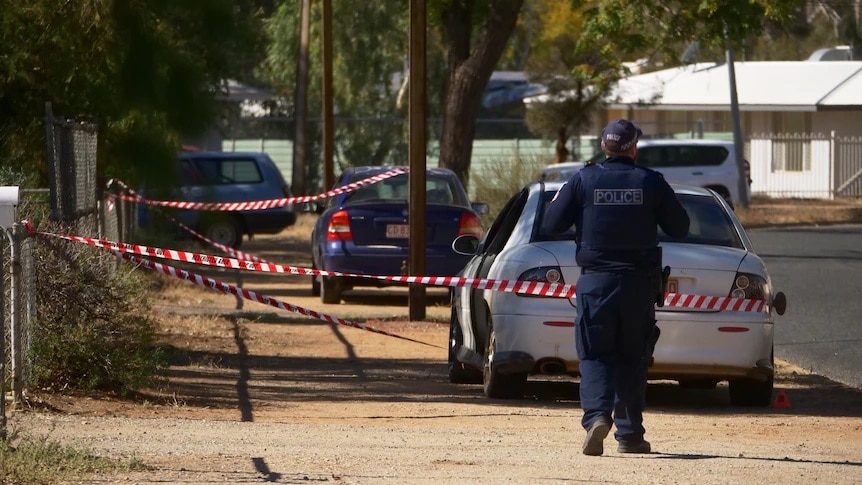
480,208
466,245
779,303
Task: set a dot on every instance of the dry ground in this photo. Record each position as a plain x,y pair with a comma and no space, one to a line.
259,395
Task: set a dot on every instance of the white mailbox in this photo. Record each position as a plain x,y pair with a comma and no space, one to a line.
8,203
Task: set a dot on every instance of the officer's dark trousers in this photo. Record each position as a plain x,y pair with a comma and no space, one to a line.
616,316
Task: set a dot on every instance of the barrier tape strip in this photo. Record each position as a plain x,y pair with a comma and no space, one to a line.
223,287
229,250
535,288
557,290
250,205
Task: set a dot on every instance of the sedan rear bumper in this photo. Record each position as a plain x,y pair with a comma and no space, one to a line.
390,262
692,345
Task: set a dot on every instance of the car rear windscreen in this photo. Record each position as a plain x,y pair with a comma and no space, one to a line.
710,223
438,190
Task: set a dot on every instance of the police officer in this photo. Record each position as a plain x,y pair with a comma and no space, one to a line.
616,207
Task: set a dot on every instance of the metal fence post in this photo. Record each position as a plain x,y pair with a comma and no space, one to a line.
3,236
832,161
15,330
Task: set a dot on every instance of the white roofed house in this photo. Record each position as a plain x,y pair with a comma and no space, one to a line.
801,120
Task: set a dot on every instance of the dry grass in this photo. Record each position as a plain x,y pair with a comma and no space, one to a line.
764,211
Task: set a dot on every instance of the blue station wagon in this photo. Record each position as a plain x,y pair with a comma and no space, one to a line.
230,177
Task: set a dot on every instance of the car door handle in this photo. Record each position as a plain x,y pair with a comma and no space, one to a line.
697,173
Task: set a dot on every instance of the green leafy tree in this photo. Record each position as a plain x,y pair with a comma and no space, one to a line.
583,46
148,72
577,77
845,17
656,29
466,39
370,46
475,35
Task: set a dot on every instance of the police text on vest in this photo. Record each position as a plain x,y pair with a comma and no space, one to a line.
618,197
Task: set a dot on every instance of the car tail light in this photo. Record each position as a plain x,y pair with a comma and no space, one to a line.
339,227
749,286
286,191
470,225
542,274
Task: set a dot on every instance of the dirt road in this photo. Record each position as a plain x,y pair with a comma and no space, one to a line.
256,395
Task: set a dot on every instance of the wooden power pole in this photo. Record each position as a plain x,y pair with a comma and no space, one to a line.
300,141
417,154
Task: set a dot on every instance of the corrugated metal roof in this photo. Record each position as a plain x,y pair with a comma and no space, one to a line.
773,85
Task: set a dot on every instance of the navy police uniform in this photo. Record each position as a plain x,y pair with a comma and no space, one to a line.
616,207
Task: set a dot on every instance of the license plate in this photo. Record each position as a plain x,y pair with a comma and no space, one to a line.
397,231
672,286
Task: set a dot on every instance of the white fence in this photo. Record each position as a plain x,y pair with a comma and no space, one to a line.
782,165
805,165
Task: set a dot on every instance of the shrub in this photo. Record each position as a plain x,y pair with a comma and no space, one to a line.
499,180
40,461
93,330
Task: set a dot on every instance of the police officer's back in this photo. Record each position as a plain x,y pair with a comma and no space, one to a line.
616,207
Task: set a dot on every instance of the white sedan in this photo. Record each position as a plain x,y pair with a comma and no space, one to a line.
500,338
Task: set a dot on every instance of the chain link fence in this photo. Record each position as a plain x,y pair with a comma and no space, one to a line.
73,202
18,309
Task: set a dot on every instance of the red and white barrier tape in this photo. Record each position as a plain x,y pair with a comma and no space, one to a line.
253,296
229,250
677,300
524,287
250,205
721,303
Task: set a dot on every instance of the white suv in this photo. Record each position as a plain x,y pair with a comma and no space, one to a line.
706,163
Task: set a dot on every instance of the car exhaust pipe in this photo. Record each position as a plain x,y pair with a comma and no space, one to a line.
552,367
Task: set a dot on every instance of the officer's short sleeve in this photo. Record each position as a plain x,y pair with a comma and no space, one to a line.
562,210
671,215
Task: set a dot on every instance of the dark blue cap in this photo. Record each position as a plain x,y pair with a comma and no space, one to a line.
620,135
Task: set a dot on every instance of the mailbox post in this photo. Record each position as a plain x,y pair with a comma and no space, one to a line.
8,205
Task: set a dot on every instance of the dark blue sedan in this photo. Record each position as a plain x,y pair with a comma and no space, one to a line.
366,231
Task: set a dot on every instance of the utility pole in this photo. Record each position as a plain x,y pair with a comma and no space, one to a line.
739,152
328,125
300,141
417,155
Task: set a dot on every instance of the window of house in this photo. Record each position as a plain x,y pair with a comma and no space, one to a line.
791,146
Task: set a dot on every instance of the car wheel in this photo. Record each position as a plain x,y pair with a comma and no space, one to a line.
497,385
698,383
750,392
459,373
315,284
330,290
224,230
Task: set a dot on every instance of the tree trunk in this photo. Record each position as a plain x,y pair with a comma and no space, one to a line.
469,74
562,153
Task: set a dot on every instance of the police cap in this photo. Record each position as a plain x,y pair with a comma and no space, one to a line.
620,135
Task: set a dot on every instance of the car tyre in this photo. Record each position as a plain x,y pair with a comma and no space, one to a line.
224,230
315,283
497,385
459,373
751,392
330,290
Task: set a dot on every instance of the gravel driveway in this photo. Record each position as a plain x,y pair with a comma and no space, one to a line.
260,396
